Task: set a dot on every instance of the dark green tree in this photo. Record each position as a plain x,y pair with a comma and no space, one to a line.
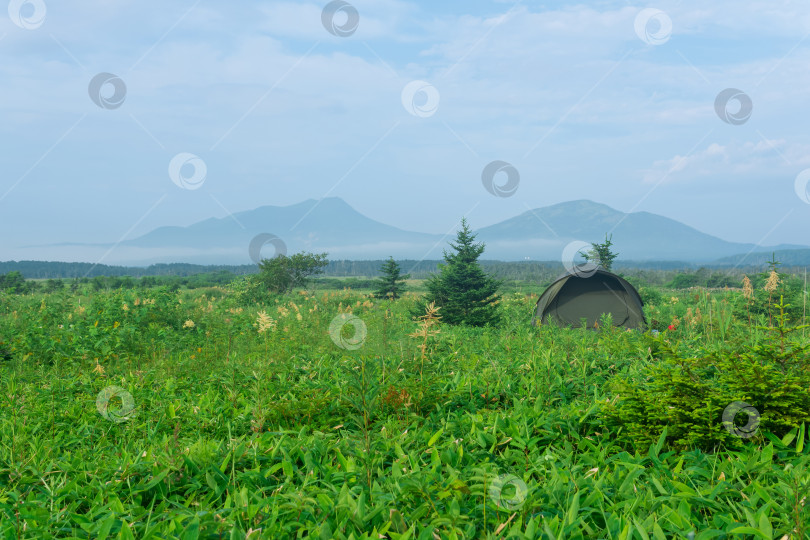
54,285
14,282
282,273
464,292
601,254
392,283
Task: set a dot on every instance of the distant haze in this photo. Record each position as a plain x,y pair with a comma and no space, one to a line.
333,226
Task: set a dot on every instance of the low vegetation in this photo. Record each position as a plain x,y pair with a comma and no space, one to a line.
152,413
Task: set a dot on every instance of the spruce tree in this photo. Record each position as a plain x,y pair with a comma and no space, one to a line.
391,284
601,254
463,291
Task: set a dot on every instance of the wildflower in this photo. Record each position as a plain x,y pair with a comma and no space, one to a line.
125,307
671,327
748,289
425,322
673,299
265,322
188,324
773,282
689,317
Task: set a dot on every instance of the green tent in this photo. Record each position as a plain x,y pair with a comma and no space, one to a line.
588,295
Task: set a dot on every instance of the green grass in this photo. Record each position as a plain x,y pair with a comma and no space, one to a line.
284,434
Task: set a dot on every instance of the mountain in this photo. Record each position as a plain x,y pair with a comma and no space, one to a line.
328,225
331,225
637,236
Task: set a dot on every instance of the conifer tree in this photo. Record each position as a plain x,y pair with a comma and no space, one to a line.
464,292
392,284
601,254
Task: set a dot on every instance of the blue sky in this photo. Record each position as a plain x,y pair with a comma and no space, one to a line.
279,110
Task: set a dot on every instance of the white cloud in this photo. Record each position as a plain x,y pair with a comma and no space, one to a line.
555,74
761,159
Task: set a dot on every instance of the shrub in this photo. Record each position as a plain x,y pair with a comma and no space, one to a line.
688,395
684,281
650,295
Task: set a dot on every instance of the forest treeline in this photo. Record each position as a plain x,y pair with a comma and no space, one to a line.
30,276
522,270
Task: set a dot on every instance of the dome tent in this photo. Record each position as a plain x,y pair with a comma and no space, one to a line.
577,295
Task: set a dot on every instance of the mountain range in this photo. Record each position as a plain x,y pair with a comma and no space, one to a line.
333,226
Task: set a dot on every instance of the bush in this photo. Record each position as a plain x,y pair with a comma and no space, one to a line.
688,395
282,273
683,281
650,296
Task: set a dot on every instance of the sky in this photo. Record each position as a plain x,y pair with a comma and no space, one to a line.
123,116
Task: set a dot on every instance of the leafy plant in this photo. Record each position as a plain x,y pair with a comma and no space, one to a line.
688,394
281,273
252,422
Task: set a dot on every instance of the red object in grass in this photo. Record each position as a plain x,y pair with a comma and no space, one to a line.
671,327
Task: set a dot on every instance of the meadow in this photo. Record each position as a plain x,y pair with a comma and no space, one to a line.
157,413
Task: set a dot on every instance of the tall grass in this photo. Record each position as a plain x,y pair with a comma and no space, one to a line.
243,433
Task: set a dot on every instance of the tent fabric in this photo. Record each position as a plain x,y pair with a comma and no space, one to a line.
572,297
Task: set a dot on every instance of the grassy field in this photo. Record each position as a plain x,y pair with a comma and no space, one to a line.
192,414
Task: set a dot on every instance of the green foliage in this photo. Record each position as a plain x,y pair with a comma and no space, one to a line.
684,281
15,283
391,284
282,273
601,254
687,394
463,291
789,287
650,295
703,278
285,434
